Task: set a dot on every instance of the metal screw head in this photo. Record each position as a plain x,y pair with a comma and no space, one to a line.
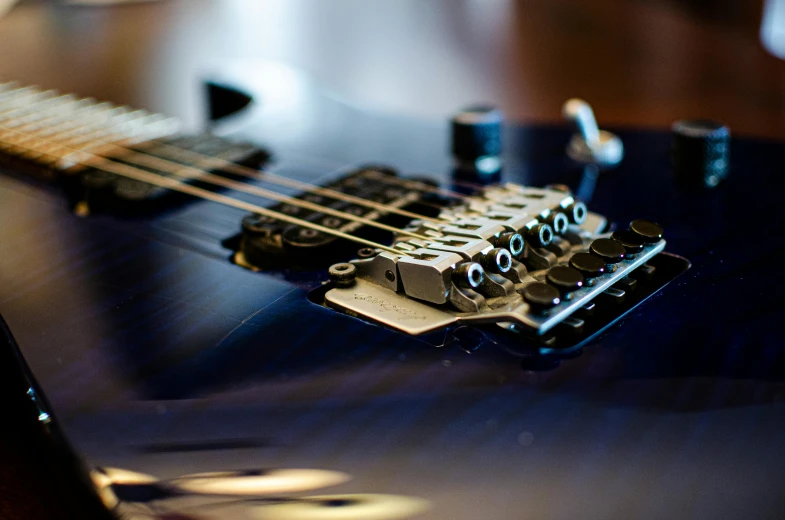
577,211
255,223
497,260
343,275
558,221
366,252
513,242
540,235
468,275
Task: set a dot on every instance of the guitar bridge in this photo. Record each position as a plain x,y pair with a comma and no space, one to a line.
532,262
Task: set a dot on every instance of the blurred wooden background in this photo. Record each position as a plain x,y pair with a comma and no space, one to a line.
639,62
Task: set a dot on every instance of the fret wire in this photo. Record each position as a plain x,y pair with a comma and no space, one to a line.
81,139
40,102
91,112
106,164
49,105
107,123
14,103
97,113
202,175
57,120
86,116
77,106
8,86
18,93
120,122
123,118
246,171
44,102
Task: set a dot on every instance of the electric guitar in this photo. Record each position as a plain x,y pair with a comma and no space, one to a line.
312,312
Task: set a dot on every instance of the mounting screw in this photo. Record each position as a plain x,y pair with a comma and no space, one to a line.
366,252
342,275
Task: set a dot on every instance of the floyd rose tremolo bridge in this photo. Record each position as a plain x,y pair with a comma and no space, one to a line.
526,259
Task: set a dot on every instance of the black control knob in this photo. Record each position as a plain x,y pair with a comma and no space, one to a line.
541,296
609,250
700,152
477,138
565,278
649,232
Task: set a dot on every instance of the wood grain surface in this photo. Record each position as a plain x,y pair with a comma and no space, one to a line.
642,63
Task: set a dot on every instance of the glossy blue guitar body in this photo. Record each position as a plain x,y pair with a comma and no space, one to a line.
162,356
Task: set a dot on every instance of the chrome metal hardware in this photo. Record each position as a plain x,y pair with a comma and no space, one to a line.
481,258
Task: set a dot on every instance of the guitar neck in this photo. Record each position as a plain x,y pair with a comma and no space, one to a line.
44,131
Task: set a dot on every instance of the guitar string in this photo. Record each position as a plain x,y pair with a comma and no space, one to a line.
183,170
95,110
207,161
26,122
389,179
88,114
215,179
72,124
56,104
108,165
124,112
190,172
193,173
219,180
49,96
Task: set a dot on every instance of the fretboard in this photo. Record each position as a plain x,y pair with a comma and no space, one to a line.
48,130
